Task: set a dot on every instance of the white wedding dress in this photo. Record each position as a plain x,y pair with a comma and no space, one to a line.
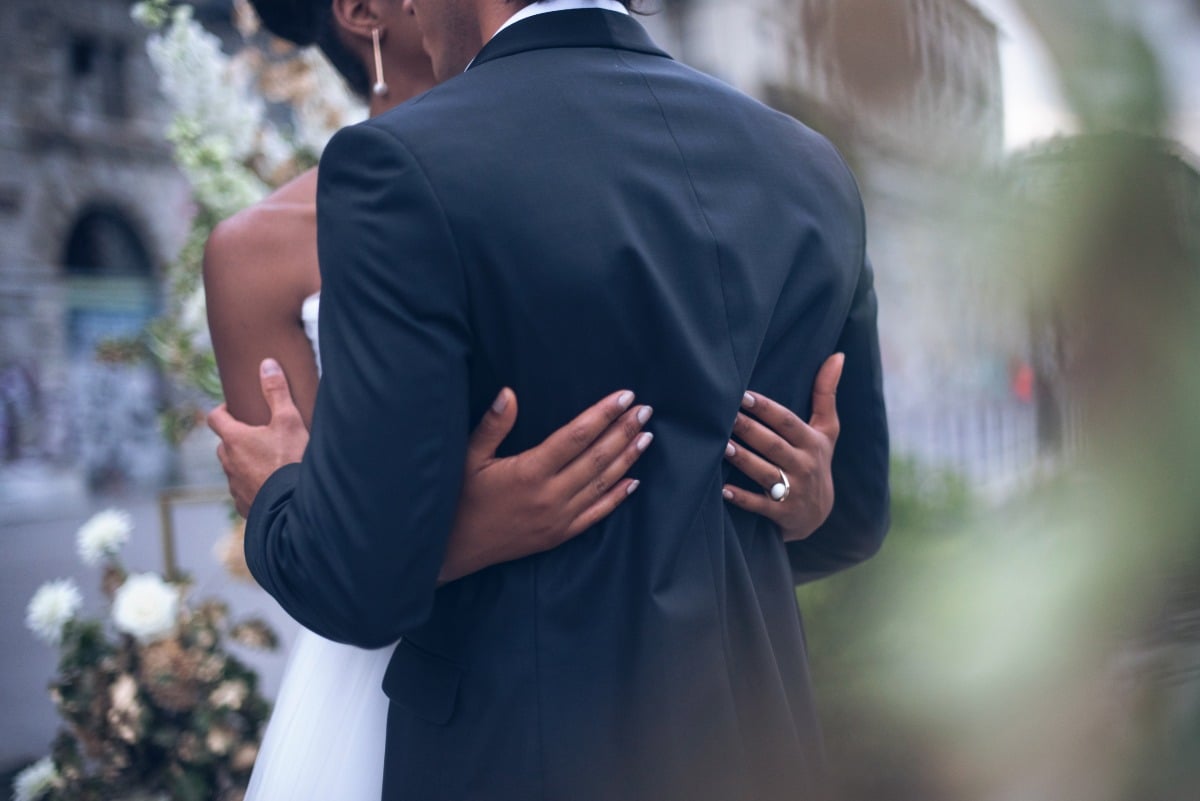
325,740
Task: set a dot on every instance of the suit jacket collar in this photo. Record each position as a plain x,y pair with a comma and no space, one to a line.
577,28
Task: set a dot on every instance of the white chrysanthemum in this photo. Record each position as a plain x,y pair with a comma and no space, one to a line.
205,85
146,607
35,781
52,606
218,116
103,535
193,318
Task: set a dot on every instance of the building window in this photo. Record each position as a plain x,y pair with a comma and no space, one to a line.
97,81
114,86
83,57
111,407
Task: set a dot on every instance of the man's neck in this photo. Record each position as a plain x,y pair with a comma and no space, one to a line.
507,14
494,15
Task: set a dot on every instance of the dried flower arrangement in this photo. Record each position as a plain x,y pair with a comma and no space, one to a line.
152,702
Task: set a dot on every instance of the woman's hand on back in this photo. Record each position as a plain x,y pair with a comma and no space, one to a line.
536,500
771,439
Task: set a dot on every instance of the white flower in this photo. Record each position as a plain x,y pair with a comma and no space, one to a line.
217,115
193,318
103,535
35,781
205,85
146,607
55,603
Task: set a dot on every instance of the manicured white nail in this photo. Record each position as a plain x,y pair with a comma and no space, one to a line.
633,487
748,401
644,414
728,494
270,367
500,403
730,451
625,399
644,441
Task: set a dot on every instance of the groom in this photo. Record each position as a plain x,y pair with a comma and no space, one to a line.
577,212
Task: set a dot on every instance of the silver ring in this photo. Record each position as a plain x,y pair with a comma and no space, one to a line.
780,491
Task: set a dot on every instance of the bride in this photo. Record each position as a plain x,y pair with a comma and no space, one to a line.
326,737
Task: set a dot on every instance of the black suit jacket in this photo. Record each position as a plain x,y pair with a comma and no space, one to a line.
576,214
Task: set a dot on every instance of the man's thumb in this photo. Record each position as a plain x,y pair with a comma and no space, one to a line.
275,386
492,430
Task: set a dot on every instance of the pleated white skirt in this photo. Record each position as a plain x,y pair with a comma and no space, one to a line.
325,740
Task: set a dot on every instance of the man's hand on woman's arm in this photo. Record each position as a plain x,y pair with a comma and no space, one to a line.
510,508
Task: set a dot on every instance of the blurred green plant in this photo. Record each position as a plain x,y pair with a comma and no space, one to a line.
1049,647
877,751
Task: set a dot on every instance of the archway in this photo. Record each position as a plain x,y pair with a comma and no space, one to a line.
103,242
112,293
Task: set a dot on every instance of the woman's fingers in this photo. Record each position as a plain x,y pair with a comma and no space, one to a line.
605,506
759,470
779,418
771,447
595,483
778,440
754,502
824,405
493,429
566,444
609,457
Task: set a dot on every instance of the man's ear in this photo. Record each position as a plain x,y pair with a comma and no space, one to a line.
357,18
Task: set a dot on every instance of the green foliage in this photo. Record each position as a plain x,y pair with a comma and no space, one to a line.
857,641
930,509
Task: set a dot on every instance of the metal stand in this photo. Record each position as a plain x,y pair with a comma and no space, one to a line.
168,499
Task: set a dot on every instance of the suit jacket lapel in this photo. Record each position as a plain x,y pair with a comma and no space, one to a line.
576,28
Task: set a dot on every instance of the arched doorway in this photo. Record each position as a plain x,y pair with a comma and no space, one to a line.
111,294
103,243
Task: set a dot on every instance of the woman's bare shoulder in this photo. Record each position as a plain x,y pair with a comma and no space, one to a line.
275,240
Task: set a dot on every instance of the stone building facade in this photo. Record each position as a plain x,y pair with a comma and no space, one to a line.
91,208
911,91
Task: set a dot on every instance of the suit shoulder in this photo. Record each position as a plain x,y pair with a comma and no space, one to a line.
414,118
786,131
818,151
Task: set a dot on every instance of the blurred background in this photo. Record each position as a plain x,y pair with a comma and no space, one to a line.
1032,627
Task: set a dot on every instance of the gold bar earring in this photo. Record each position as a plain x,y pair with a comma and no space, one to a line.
380,88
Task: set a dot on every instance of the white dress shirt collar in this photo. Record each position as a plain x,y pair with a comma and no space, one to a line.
547,6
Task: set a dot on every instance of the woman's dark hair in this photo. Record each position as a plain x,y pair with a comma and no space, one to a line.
309,22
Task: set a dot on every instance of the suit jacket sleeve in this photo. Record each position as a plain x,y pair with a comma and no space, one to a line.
351,541
861,510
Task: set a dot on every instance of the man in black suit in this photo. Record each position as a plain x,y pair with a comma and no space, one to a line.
577,212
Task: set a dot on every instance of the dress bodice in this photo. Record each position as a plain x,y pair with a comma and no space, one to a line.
309,312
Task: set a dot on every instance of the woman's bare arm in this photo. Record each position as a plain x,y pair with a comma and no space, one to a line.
258,267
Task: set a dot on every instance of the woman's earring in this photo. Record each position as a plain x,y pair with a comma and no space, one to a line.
380,88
